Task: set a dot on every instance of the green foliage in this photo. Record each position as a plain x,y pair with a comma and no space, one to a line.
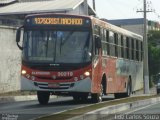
154,54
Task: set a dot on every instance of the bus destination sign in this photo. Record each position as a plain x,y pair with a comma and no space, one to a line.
57,21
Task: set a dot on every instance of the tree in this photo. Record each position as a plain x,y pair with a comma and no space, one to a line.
154,55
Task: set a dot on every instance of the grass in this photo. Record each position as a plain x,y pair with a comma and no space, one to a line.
80,111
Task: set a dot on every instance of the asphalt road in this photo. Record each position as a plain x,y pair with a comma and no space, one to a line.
149,112
28,110
149,109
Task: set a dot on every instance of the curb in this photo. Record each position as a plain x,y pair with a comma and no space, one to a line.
20,98
105,112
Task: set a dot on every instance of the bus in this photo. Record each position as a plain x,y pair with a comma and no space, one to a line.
79,56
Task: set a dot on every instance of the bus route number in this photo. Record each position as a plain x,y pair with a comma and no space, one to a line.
65,74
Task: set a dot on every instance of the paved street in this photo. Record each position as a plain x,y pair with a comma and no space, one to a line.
150,109
31,109
149,112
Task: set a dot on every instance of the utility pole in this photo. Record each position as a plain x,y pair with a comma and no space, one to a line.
145,49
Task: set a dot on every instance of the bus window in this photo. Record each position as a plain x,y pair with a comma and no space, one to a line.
132,44
111,37
137,50
108,48
119,40
112,43
116,44
122,50
107,36
96,30
104,35
130,50
124,47
104,48
98,44
127,47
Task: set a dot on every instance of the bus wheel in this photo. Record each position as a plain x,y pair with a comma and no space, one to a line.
43,97
97,97
76,98
80,97
158,91
126,94
84,97
118,95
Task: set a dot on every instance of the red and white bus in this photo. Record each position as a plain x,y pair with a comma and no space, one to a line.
79,56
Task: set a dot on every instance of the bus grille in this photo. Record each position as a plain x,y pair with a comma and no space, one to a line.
45,86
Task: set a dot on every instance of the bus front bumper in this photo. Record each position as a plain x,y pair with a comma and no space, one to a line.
79,86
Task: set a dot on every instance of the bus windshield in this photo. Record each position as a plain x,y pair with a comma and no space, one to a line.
48,46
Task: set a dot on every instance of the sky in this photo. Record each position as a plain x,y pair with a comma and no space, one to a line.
125,9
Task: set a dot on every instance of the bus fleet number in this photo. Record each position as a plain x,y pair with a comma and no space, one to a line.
64,74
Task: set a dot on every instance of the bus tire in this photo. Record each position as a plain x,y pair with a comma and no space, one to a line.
97,97
126,94
76,98
43,97
158,91
80,97
84,97
118,95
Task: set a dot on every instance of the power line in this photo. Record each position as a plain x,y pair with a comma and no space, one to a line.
150,8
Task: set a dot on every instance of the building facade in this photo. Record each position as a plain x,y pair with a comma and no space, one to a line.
135,25
16,10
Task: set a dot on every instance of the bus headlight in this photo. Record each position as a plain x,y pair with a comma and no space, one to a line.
24,72
87,73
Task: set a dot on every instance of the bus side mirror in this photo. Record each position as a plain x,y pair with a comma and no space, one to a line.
18,37
98,42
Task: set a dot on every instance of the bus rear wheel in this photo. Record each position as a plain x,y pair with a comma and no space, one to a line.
126,94
43,97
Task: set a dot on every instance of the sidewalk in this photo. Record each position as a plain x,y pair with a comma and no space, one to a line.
141,92
17,96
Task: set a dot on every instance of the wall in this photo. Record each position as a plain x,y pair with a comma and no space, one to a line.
79,10
10,57
134,28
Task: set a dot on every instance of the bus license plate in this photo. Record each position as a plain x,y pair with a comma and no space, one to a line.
53,85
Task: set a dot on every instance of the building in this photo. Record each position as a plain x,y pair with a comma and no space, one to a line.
135,25
17,10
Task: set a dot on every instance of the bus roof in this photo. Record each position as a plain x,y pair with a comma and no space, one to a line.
115,28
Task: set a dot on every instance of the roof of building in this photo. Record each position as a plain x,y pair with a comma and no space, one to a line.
41,7
120,22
